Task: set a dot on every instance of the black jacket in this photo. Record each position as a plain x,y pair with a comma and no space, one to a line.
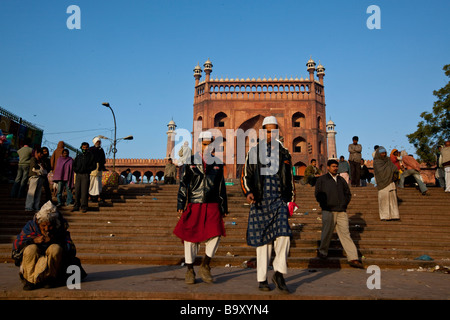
202,186
332,195
84,163
252,181
99,157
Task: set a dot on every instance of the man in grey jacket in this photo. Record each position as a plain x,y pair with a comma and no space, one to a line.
19,189
355,161
333,194
445,153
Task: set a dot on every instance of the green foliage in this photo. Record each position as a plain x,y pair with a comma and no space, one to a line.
434,129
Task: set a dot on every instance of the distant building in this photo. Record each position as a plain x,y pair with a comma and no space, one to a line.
298,105
20,129
331,137
171,127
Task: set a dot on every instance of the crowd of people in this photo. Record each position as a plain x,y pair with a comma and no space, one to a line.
390,172
81,176
44,249
268,187
270,195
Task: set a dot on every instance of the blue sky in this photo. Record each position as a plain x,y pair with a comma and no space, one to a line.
139,56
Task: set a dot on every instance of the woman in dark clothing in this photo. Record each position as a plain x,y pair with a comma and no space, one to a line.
63,175
366,176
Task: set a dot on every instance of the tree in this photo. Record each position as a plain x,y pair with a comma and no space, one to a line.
434,129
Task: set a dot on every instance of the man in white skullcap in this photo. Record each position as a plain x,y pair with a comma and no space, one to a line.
95,185
202,203
268,186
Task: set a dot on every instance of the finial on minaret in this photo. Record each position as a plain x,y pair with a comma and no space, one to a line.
320,72
171,125
197,73
208,65
311,67
208,69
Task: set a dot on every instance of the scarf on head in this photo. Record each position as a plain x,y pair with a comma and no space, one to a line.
56,154
64,170
394,159
384,170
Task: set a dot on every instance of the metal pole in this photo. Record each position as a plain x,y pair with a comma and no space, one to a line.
115,140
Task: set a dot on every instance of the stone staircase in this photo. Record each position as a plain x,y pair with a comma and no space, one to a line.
135,226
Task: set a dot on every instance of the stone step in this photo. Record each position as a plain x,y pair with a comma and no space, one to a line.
141,220
235,251
312,233
93,241
240,261
363,221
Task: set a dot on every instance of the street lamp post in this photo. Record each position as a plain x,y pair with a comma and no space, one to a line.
106,104
117,140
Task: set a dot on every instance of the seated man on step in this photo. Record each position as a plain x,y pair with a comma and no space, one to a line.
44,250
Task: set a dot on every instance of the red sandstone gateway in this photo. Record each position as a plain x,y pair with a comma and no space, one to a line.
298,105
232,104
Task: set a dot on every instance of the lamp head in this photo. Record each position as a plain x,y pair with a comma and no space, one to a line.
106,104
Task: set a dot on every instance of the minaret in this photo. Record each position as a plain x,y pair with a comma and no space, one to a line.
311,67
171,139
208,69
320,72
331,138
197,76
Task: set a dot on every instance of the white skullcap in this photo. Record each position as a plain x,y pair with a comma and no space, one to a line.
270,120
96,139
205,135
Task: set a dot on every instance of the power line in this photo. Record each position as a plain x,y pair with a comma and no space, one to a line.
47,133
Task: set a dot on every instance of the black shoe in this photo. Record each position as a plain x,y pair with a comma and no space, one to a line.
264,286
279,282
356,264
75,209
321,255
29,286
51,283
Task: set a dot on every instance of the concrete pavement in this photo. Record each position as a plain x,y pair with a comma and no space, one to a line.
137,282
